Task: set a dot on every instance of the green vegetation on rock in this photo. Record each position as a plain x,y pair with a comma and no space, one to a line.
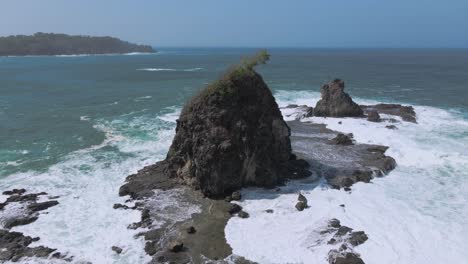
225,85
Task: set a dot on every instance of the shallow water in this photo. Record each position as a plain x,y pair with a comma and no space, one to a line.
77,126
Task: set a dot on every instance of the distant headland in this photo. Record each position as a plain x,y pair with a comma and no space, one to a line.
62,44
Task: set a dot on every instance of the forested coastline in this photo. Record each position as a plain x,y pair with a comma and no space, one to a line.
62,44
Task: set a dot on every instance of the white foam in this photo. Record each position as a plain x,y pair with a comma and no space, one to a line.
415,215
84,224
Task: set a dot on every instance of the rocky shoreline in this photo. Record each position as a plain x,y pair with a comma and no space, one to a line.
22,208
230,136
331,155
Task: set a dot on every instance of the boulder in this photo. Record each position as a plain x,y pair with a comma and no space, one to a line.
116,249
357,238
243,214
300,206
345,258
236,196
335,102
234,208
373,116
342,139
392,127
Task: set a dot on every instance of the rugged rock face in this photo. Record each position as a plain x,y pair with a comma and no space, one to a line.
335,102
231,135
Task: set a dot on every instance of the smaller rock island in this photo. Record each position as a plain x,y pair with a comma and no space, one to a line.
42,44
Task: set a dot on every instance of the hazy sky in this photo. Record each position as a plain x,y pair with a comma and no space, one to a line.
255,23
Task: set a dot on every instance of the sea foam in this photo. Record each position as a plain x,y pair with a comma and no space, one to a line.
415,215
84,224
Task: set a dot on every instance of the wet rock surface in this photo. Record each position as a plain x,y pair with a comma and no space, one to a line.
335,102
341,165
22,208
342,139
406,113
344,240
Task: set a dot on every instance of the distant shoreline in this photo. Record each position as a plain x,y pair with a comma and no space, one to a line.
51,44
81,55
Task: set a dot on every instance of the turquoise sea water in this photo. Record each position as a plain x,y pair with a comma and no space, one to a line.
50,105
75,126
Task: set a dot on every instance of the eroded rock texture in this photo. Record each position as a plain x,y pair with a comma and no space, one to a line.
335,102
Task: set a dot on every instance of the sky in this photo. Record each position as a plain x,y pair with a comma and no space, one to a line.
248,23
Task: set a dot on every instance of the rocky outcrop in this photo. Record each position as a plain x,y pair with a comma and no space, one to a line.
22,208
229,136
336,158
335,102
406,113
373,116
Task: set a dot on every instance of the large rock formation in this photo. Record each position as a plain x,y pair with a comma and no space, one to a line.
335,102
231,135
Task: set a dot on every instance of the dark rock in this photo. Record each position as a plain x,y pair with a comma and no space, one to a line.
335,223
339,122
303,200
243,214
270,211
236,196
229,136
342,139
373,116
116,249
176,246
9,223
15,246
335,102
357,238
42,206
407,113
191,230
332,241
292,106
343,230
234,208
393,127
119,206
150,248
342,205
14,191
300,206
145,215
346,258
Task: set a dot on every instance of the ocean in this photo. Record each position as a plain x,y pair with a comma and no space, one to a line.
76,126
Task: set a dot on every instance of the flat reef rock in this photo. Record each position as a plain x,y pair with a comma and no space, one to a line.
406,113
341,165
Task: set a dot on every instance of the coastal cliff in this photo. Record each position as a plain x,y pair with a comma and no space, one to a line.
62,44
